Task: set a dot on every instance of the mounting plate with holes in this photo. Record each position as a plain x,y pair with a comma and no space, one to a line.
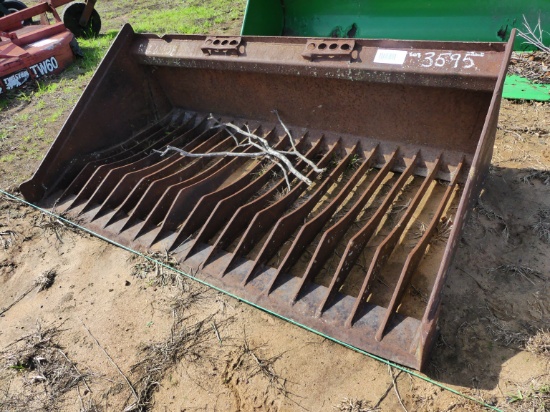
221,44
329,48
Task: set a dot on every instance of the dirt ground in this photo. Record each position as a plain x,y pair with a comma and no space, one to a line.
184,347
87,326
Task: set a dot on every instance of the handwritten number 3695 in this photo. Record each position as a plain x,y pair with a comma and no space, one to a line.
453,59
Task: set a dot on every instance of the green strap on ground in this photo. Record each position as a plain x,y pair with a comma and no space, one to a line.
158,262
517,87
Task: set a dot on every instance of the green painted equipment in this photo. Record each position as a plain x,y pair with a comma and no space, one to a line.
467,20
443,20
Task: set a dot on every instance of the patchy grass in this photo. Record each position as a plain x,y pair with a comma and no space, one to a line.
194,17
533,397
8,158
45,104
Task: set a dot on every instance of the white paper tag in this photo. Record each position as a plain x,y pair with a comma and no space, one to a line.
390,56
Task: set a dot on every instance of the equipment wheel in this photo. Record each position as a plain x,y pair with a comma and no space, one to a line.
71,19
13,6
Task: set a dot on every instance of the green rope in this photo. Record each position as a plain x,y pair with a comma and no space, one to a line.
370,355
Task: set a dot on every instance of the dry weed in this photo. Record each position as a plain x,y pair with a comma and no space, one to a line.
184,343
45,280
279,195
44,369
263,169
397,209
420,230
523,271
155,268
503,334
442,230
51,224
542,176
189,342
7,238
539,344
264,367
542,227
482,209
354,405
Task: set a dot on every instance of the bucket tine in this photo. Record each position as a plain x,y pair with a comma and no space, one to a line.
415,256
118,174
333,235
207,203
152,187
217,169
237,223
265,218
283,228
218,217
311,229
183,201
356,245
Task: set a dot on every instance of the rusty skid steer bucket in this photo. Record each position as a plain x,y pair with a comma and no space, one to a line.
403,129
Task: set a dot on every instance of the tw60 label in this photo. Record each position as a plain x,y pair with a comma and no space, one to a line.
44,67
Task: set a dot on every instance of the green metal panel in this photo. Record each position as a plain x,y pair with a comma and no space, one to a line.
263,18
517,87
466,20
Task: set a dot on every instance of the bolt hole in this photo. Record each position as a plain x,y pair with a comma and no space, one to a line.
333,46
345,46
208,41
224,43
233,42
216,42
322,46
311,46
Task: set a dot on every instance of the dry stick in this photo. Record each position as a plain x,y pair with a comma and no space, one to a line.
252,138
285,174
395,387
76,369
112,361
237,154
216,332
531,37
305,159
268,148
388,389
17,300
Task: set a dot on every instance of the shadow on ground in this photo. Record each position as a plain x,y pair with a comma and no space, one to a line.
495,297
